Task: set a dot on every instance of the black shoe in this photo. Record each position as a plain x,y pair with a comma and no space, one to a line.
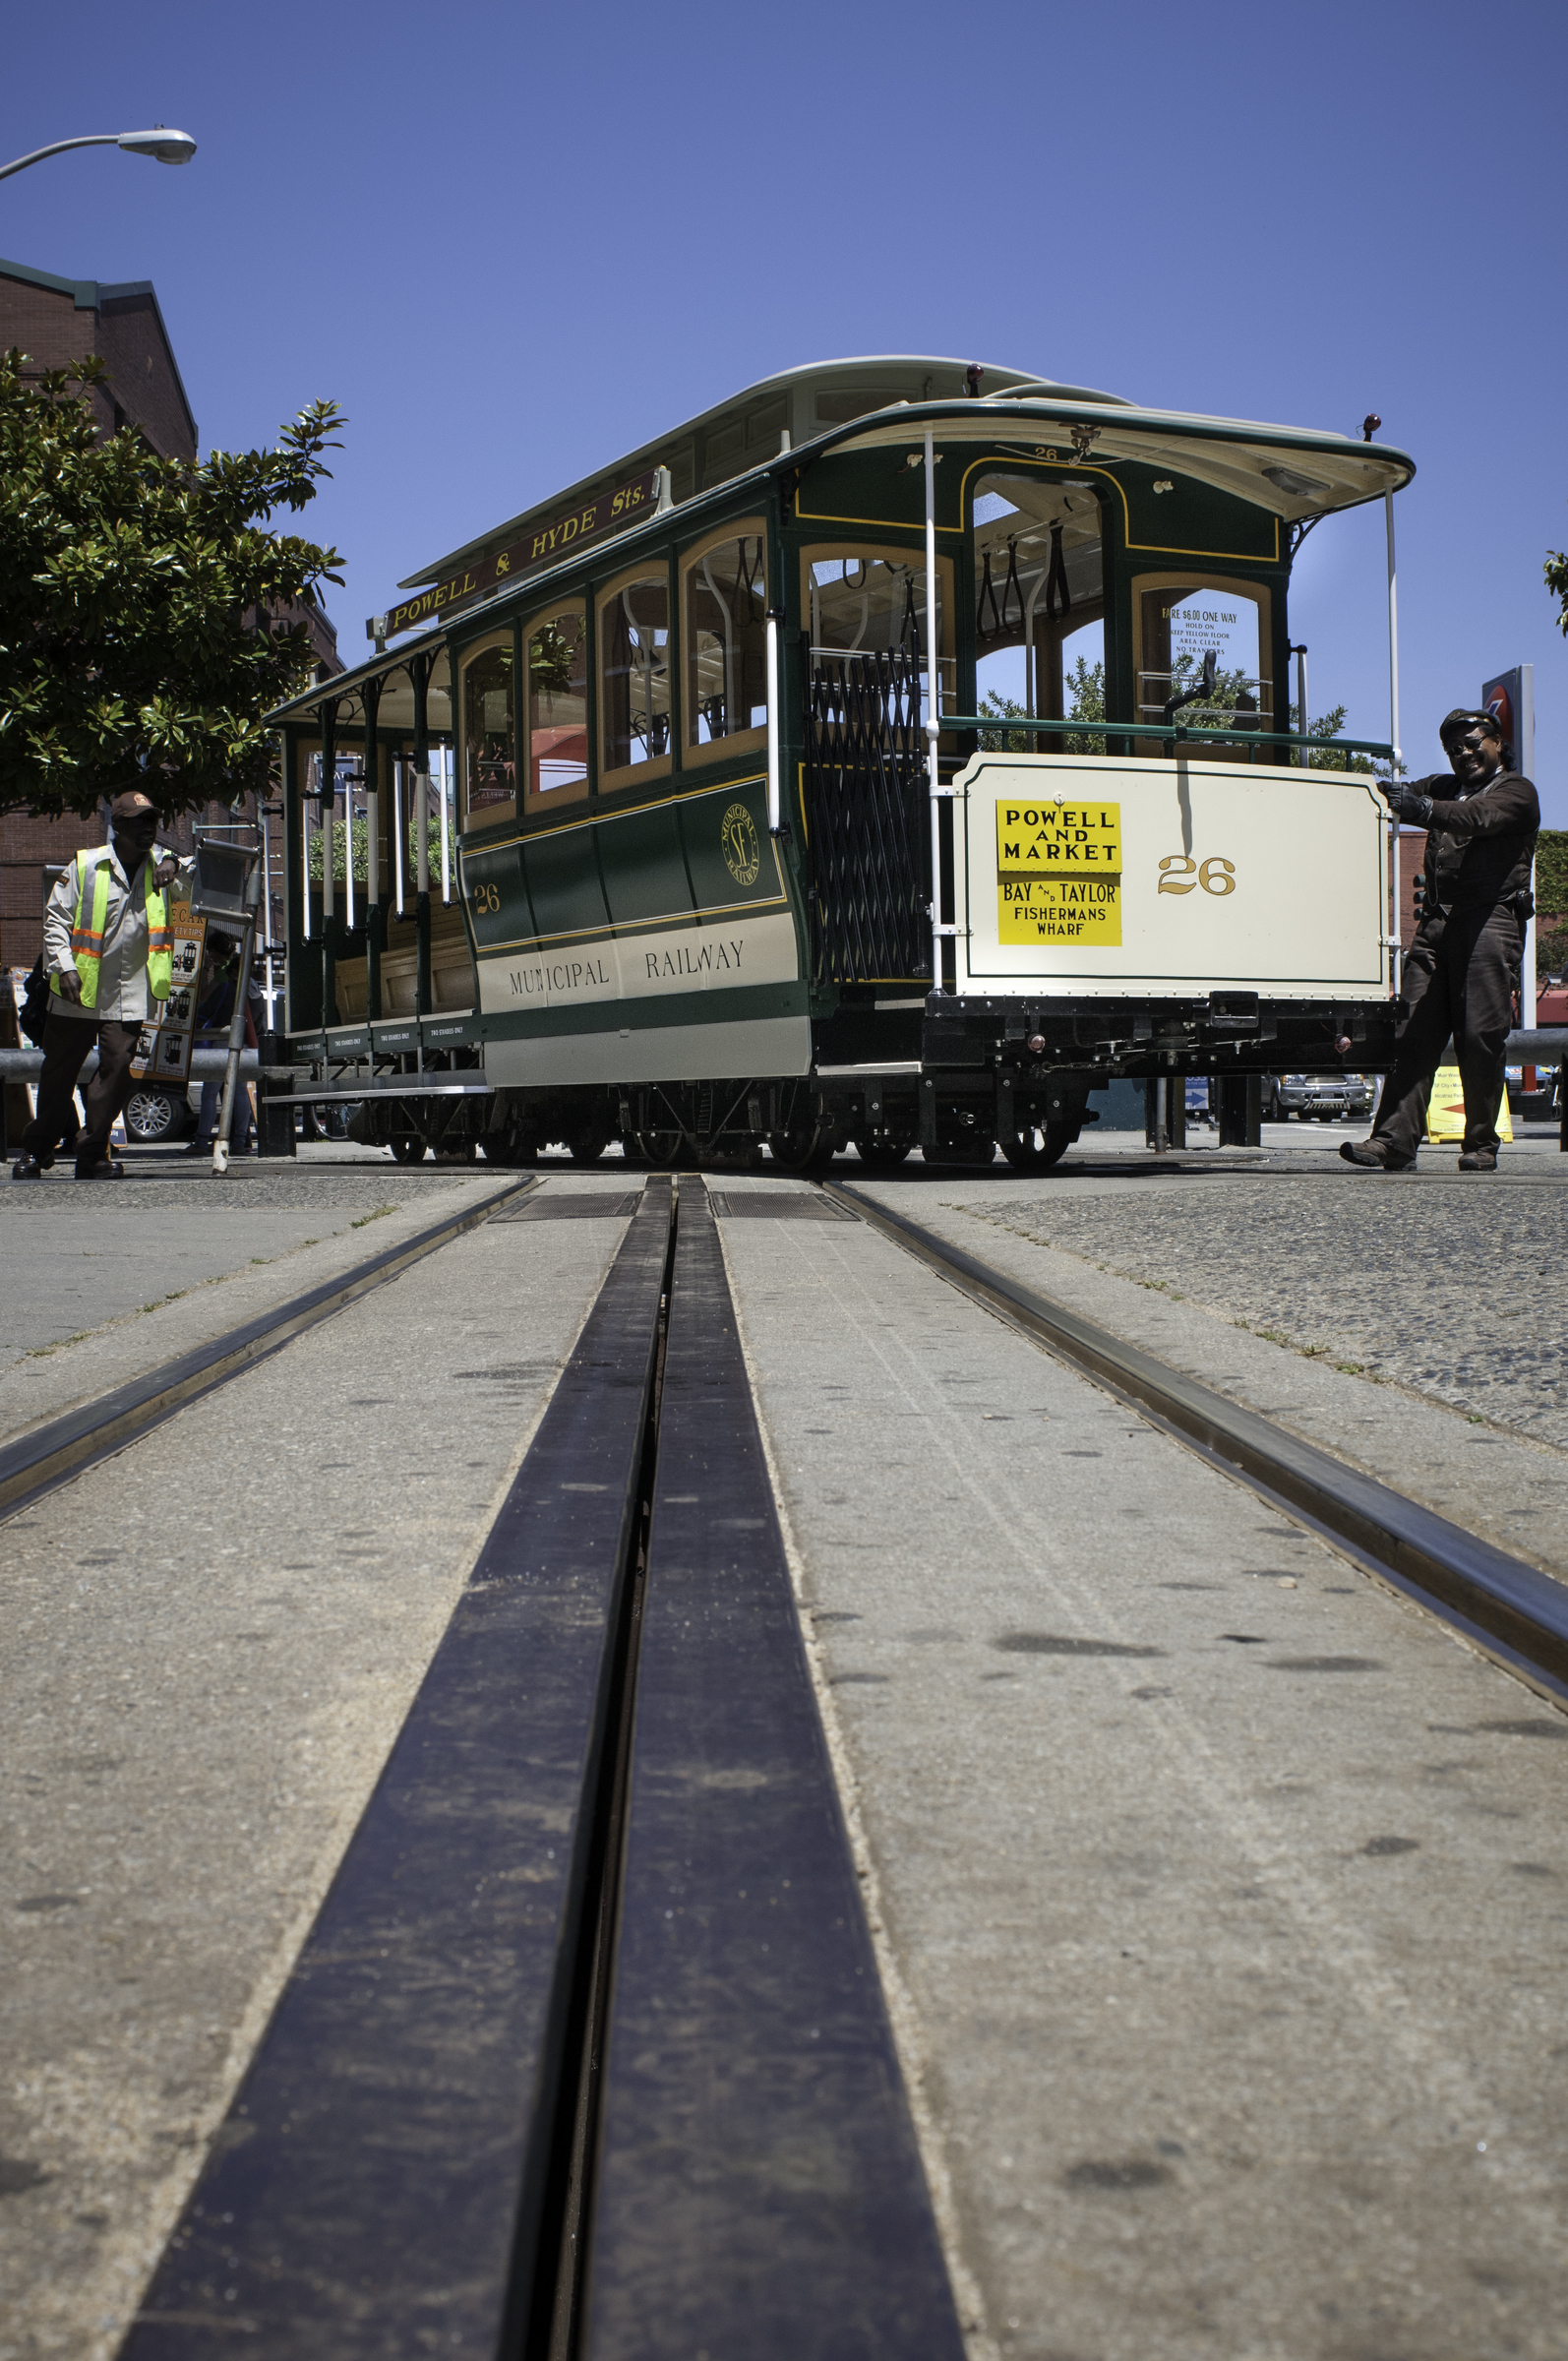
1479,1159
28,1168
99,1168
1374,1159
198,1147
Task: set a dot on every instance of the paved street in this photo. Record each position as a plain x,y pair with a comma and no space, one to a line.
208,1645
1220,1894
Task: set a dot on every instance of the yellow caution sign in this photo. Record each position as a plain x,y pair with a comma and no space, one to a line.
1446,1114
1058,872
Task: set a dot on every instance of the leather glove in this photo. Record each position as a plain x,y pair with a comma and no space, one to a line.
1405,804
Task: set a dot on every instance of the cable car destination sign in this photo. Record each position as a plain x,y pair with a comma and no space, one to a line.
1058,872
535,547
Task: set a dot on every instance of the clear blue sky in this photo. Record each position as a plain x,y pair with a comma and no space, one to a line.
515,241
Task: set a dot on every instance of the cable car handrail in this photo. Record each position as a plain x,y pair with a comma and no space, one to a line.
1160,729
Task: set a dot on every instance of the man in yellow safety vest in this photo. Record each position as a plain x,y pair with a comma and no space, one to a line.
108,952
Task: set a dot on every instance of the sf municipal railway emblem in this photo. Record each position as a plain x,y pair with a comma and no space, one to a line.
742,855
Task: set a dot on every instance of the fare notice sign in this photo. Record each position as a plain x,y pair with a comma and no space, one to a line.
1058,872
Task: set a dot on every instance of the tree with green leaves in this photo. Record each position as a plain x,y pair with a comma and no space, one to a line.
134,598
1556,572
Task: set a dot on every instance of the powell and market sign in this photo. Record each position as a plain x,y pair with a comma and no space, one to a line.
536,548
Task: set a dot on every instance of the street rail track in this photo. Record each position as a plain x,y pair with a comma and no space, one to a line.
586,2056
593,1977
36,1462
1512,1610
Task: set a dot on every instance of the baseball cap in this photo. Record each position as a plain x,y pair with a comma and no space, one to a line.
132,805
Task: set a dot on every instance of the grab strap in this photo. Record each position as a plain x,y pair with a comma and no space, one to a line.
1056,579
987,590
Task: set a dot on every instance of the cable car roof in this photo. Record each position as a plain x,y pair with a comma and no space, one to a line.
817,380
1294,472
398,702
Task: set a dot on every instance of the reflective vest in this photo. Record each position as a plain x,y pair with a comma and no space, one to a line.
87,931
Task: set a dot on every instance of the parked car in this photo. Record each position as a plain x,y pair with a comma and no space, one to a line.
1322,1098
156,1115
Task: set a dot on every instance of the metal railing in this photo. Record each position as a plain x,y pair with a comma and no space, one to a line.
1174,730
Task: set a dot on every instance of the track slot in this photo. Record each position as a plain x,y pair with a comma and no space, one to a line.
757,2192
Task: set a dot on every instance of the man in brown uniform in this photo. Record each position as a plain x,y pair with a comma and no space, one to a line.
1462,971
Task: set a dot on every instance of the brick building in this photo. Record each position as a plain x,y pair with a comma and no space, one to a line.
54,322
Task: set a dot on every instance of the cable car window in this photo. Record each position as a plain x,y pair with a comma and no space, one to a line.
556,648
1039,585
726,637
871,601
1203,656
489,730
635,676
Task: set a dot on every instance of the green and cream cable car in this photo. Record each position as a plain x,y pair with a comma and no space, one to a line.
894,755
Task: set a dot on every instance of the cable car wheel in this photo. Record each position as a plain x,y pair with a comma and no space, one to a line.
408,1148
883,1155
1037,1149
806,1148
666,1151
508,1148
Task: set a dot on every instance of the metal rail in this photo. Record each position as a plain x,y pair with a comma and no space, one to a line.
1515,1612
36,1462
1237,735
594,1975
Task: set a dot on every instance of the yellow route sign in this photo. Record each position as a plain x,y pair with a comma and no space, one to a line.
1058,872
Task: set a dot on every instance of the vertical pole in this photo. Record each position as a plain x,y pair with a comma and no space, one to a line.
375,915
349,851
304,853
329,825
328,863
775,785
266,916
447,759
1303,753
1525,762
236,1030
1397,954
399,834
419,667
933,725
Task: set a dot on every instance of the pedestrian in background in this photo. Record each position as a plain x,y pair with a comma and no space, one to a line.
108,956
1461,974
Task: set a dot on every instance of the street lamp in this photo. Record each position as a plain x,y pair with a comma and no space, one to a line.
169,147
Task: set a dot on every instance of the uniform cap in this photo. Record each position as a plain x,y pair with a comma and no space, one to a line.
1463,718
131,806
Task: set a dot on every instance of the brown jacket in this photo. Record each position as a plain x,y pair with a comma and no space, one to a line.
1479,846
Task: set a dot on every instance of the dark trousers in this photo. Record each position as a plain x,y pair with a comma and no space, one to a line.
1460,979
65,1042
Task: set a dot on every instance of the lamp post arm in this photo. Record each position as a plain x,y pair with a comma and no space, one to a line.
99,139
167,145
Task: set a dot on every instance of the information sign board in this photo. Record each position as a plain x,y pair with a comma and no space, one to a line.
163,1052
